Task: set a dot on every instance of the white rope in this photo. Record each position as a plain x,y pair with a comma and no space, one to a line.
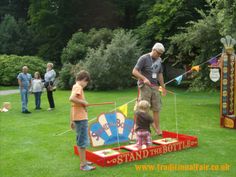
118,139
176,118
115,108
62,133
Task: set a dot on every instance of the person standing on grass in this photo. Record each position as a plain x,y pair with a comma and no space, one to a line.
24,81
37,88
49,78
79,117
142,125
148,70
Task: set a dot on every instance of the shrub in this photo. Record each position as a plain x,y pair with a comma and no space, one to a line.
67,75
110,66
76,48
78,45
11,66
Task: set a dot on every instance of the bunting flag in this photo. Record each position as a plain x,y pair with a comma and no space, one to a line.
179,79
213,61
195,68
124,109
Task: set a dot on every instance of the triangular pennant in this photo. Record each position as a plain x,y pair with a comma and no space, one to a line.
195,68
124,109
213,61
179,79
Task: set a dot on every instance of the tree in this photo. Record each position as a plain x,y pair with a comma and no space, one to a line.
16,8
165,18
15,37
127,11
54,21
201,40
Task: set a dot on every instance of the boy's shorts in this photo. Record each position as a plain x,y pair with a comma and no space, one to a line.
143,137
81,128
152,95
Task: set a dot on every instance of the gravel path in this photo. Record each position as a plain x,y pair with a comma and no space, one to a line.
8,92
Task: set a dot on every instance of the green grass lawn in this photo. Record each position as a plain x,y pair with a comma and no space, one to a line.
28,147
8,88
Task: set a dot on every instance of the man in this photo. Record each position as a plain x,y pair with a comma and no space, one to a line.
24,81
149,71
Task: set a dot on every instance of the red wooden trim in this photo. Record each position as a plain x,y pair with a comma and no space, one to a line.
184,142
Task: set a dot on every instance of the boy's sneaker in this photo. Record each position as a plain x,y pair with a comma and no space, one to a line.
87,168
89,163
26,112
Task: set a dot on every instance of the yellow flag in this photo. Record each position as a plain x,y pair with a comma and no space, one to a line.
124,109
196,68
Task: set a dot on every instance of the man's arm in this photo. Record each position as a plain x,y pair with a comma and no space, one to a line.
20,83
161,81
30,82
137,74
154,127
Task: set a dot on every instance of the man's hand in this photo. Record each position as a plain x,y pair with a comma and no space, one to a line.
162,90
163,93
146,81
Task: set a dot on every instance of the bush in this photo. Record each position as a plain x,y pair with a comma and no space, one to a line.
67,76
11,66
76,48
110,66
78,45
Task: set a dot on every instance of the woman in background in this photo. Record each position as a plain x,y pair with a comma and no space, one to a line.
49,78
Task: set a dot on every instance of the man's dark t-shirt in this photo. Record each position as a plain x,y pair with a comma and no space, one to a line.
149,67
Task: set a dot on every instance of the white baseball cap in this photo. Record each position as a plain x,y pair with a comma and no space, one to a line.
159,47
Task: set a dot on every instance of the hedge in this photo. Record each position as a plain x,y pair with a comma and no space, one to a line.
11,66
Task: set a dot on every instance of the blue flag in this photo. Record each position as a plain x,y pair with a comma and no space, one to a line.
179,79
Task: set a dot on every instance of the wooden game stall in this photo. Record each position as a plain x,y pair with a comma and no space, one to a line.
170,142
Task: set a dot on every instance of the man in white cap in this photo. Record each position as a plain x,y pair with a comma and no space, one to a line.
149,72
24,81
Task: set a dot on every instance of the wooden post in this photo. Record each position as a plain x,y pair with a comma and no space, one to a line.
228,84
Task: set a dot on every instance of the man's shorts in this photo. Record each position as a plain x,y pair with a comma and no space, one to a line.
152,95
81,128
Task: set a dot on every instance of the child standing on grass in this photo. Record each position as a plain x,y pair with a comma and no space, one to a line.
37,88
79,117
143,122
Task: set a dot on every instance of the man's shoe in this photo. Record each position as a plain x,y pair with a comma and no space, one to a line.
27,112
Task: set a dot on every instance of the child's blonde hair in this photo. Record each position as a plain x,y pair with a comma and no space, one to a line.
143,105
38,75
